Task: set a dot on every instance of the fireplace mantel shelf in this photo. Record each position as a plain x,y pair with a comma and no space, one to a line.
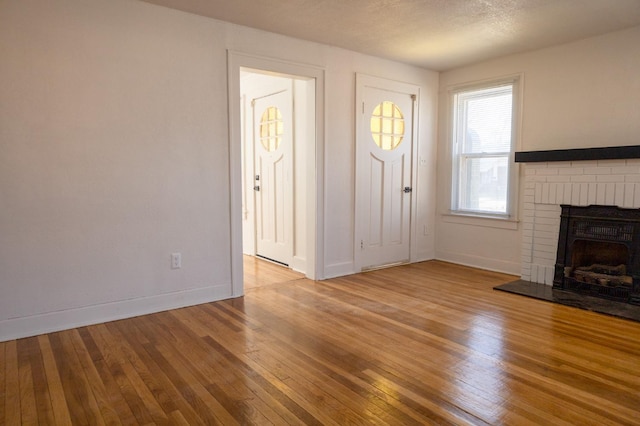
582,154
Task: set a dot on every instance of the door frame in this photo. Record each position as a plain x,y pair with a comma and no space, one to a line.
315,161
363,81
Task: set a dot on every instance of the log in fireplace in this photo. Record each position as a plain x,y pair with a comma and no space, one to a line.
599,252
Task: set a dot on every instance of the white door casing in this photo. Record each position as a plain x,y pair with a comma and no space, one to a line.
314,162
273,183
385,167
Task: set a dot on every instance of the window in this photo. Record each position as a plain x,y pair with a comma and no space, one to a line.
271,128
483,142
387,125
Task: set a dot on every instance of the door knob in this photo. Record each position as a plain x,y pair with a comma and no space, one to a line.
407,189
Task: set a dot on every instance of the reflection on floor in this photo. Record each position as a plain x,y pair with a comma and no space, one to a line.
260,273
421,344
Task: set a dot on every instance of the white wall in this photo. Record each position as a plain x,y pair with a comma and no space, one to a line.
579,95
114,154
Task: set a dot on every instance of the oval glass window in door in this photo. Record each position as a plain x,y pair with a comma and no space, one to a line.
387,125
271,128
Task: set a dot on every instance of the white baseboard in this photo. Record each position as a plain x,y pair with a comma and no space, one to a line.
16,328
423,258
339,270
299,264
497,265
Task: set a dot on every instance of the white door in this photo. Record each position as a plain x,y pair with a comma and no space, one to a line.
273,180
384,175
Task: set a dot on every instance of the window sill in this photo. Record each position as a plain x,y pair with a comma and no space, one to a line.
481,220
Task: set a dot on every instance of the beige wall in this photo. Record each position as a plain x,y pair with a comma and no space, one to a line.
579,95
114,154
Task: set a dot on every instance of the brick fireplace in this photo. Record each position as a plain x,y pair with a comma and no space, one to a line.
548,184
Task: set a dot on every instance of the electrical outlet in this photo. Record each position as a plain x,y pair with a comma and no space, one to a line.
176,260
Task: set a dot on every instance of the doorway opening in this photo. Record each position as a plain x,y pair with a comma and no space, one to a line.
278,126
260,273
276,146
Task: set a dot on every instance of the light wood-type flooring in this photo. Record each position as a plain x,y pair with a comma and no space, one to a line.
428,343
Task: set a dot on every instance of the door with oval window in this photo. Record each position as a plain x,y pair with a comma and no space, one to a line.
273,185
384,187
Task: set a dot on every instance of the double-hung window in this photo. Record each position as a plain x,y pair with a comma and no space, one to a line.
483,140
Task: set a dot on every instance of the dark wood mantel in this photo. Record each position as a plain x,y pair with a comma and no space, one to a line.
582,154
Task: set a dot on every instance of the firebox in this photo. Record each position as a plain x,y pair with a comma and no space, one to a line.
599,252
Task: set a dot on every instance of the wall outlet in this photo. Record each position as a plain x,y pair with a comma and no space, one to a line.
176,260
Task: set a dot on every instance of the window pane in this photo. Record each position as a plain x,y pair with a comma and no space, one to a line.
387,126
387,109
486,120
376,126
484,183
387,142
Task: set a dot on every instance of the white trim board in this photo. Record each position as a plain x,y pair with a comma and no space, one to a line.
512,268
16,328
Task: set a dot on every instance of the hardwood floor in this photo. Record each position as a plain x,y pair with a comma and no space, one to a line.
259,273
428,343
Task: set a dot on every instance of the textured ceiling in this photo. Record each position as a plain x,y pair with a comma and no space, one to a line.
434,34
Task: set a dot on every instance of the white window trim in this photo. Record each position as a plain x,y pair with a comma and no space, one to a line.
506,221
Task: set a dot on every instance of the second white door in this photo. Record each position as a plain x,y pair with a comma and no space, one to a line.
384,173
273,180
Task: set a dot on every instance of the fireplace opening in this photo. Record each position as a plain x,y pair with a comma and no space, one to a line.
598,262
599,252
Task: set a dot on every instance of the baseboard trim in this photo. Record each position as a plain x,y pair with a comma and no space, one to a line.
16,328
338,270
513,268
